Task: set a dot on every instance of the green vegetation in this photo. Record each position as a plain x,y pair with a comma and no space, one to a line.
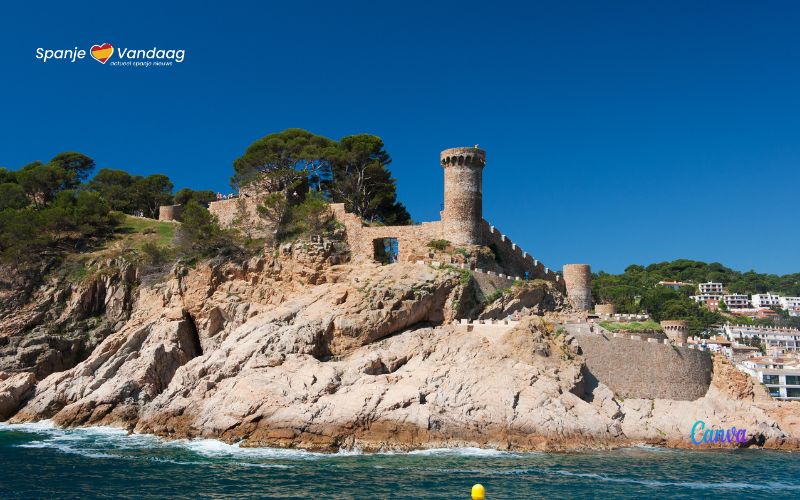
55,209
636,290
698,272
440,245
130,194
353,171
635,326
200,234
202,197
164,232
46,209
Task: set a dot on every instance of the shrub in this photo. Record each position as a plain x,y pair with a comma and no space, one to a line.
440,245
154,253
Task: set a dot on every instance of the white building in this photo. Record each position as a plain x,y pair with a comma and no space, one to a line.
789,303
781,376
774,338
705,297
765,300
710,288
675,285
736,301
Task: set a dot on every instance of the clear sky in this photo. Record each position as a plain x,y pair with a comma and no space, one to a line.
616,132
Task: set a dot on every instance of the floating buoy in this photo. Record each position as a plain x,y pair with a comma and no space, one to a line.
478,492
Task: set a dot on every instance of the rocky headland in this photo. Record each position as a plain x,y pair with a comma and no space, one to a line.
304,348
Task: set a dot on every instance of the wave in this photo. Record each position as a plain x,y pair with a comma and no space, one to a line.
466,452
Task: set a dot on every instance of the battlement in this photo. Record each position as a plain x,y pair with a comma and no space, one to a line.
676,330
472,157
514,259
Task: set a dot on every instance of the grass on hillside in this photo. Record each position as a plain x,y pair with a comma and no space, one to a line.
634,326
139,230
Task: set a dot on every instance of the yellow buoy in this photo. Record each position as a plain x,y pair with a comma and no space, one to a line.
478,492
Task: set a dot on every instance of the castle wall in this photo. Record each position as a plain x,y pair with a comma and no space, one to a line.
676,330
226,211
412,240
605,309
170,212
242,212
648,370
513,259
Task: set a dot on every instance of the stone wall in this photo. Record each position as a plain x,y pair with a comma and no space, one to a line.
513,259
578,278
647,370
412,240
605,309
170,212
413,244
676,330
463,194
241,212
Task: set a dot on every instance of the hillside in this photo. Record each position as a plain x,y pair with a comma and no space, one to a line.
635,290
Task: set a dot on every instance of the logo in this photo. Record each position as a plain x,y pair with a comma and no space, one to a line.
102,53
701,435
116,56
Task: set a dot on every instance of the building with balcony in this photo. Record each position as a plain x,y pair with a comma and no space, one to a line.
780,375
765,300
736,301
774,338
710,288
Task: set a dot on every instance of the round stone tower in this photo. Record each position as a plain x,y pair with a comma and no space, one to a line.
676,330
578,278
462,216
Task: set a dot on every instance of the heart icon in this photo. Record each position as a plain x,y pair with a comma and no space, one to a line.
102,52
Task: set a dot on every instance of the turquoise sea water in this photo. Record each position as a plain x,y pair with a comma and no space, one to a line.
40,461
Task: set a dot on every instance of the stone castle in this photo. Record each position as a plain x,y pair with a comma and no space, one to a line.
462,224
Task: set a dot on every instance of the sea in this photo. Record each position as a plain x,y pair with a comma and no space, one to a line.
43,461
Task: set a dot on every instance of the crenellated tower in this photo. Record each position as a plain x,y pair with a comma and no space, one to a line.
462,216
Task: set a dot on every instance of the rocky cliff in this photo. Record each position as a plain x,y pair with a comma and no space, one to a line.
301,348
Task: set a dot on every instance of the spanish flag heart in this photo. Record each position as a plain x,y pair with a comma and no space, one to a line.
102,52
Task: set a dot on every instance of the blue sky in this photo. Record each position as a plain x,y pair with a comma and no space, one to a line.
616,132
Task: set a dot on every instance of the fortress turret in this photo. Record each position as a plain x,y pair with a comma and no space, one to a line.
462,216
578,279
676,330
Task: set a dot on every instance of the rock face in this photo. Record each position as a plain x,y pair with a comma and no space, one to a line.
61,321
299,349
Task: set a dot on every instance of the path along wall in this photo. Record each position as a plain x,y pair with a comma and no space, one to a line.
646,370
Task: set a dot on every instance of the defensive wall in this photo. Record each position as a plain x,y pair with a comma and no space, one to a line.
170,212
413,245
676,330
412,240
226,211
605,309
633,367
513,258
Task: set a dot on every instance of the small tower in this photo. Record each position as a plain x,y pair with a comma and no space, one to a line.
676,330
462,216
578,279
